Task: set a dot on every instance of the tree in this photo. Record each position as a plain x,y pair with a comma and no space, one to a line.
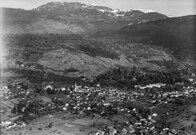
14,111
50,125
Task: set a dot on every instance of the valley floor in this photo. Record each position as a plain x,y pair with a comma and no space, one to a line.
167,109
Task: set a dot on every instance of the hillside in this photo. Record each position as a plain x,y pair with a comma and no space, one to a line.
176,34
75,56
184,119
72,17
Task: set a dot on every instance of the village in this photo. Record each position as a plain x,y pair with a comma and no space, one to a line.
139,111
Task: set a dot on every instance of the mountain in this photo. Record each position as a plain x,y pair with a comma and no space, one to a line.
72,17
53,36
176,34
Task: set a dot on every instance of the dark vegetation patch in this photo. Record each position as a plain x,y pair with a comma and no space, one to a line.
40,76
168,64
98,51
128,78
71,70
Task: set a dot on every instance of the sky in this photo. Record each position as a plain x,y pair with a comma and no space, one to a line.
168,7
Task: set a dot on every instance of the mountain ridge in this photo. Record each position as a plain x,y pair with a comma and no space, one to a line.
176,34
72,18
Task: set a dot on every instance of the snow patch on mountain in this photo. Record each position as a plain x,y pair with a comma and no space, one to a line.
116,12
146,11
92,4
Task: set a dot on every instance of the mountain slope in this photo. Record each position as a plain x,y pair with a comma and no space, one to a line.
177,34
75,56
72,17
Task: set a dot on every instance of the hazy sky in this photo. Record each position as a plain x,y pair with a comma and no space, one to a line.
168,7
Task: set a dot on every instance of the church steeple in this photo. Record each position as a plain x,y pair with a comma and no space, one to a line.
75,87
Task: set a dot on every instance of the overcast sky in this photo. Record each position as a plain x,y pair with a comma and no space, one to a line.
168,7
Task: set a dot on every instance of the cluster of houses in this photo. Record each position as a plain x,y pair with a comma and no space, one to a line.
137,105
29,65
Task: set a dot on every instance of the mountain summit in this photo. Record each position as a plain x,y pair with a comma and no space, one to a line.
72,17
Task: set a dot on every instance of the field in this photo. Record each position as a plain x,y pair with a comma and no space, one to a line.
55,126
185,119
